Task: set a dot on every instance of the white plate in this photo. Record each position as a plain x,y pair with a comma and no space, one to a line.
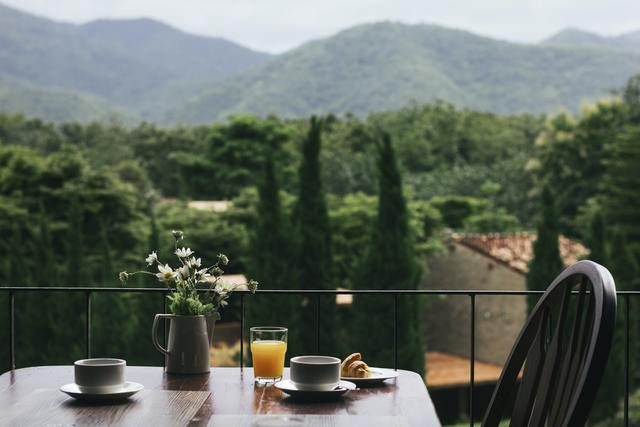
377,376
128,389
290,388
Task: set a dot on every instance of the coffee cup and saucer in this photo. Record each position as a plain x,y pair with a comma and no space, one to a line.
315,378
100,380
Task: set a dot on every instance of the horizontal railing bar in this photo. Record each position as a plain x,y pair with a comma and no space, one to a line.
467,292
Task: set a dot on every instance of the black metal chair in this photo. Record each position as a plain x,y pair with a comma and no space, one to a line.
555,367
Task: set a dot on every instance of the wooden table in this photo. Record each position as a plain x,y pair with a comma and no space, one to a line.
226,397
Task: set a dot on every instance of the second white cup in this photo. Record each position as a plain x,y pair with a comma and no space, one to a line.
315,373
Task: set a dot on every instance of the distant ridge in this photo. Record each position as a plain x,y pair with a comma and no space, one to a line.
577,37
386,65
145,69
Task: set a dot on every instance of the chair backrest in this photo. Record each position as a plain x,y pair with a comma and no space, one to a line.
554,370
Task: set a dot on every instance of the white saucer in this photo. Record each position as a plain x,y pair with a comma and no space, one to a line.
128,389
378,375
290,388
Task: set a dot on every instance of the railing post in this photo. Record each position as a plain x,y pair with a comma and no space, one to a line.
12,331
317,322
242,332
626,360
165,335
395,331
472,357
88,324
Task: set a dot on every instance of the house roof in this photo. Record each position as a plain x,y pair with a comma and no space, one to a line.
446,370
516,249
204,205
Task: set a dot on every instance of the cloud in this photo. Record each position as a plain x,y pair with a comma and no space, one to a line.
278,25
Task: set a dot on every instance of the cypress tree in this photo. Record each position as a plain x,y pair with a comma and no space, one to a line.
45,273
622,184
270,257
154,234
74,252
622,204
546,263
390,263
106,269
313,258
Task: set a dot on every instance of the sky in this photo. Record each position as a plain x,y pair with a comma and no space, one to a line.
278,25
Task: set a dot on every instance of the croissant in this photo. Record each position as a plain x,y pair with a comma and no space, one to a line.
344,367
358,369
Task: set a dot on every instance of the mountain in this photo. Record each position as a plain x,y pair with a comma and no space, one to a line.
577,37
128,63
182,56
144,69
387,65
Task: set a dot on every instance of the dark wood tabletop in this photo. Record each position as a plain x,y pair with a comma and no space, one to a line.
225,397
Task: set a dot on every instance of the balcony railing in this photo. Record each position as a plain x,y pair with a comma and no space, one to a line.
393,294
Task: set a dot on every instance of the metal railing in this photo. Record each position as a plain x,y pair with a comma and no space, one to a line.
316,294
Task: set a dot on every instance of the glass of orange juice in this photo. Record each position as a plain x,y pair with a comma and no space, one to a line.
268,346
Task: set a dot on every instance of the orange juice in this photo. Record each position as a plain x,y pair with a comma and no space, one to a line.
268,358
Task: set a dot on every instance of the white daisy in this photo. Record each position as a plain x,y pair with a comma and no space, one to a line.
152,258
184,253
166,273
194,263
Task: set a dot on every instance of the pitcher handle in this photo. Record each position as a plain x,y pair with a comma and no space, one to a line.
154,332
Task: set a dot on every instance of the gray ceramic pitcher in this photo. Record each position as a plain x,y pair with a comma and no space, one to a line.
187,351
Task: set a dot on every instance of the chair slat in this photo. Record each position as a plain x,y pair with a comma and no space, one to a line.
571,365
530,378
545,393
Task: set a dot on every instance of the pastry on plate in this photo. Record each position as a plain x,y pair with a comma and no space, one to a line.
354,367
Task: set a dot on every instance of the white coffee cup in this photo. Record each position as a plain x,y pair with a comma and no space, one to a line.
99,375
315,373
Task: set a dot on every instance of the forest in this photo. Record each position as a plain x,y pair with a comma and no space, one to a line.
316,203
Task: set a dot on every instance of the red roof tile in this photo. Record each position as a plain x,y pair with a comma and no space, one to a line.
516,249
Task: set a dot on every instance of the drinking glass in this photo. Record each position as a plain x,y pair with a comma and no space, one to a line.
268,346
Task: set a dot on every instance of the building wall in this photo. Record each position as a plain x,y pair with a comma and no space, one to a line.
447,318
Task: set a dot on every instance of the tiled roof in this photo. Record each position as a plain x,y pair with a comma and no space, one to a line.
516,249
449,371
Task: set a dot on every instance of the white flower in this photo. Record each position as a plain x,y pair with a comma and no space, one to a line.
222,259
183,272
123,276
166,273
152,258
183,253
177,234
224,287
202,276
194,263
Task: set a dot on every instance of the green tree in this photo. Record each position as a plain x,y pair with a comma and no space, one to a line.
620,205
597,239
74,246
314,266
270,258
622,185
546,263
46,273
389,263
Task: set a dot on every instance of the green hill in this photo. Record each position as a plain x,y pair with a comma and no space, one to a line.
129,63
386,65
58,105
